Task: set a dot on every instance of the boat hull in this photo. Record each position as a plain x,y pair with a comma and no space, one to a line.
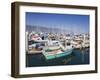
49,57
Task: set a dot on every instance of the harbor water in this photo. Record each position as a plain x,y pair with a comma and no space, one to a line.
78,57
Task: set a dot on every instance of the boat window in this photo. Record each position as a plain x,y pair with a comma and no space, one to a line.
56,44
68,44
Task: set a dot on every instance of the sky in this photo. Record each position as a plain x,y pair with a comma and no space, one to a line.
69,22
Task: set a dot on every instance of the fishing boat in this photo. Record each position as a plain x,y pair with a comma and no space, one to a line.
55,50
35,44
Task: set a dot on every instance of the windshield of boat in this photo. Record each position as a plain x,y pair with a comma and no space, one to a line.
53,43
68,44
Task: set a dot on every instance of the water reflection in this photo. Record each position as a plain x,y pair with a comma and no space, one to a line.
79,56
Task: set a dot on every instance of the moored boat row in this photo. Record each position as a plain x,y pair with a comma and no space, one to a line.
54,45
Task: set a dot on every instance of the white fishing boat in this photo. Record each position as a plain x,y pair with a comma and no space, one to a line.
36,44
55,49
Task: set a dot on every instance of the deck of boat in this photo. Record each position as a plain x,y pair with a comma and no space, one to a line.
34,51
